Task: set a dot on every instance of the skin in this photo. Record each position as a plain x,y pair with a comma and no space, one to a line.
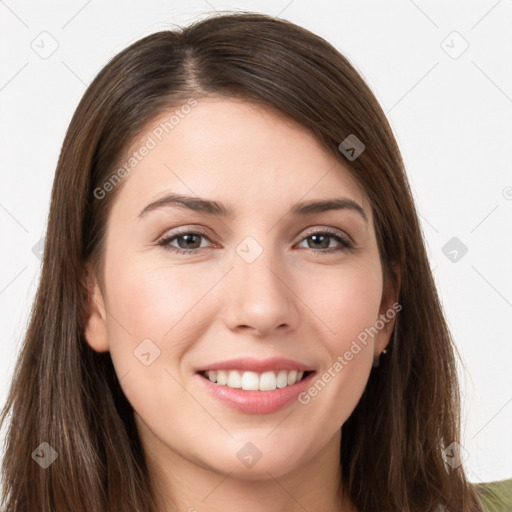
293,301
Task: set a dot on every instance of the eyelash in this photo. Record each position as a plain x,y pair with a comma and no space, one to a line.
346,244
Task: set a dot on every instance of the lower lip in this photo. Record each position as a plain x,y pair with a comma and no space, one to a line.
256,402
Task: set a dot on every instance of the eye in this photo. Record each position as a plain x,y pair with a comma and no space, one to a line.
320,241
188,242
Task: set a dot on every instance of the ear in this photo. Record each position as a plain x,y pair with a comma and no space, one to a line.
96,332
388,310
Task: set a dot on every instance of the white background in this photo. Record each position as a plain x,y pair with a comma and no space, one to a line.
451,117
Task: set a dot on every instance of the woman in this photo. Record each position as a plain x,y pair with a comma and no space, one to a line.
236,308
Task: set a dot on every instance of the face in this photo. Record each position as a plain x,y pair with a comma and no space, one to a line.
279,287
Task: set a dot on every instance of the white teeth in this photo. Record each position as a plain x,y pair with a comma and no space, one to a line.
267,381
222,377
292,377
234,380
282,379
252,381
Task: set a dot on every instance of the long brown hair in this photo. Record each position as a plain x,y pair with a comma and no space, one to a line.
67,395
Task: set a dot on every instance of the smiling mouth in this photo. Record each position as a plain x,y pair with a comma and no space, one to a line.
255,381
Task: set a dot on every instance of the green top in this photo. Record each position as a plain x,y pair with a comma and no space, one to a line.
497,496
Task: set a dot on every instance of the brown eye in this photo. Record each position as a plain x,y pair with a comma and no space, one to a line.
187,242
325,241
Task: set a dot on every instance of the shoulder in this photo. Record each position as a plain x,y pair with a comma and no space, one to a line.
496,496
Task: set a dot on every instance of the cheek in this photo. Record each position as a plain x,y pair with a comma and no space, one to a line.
156,316
152,302
346,300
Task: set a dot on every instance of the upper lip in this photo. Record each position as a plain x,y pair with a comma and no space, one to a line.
258,365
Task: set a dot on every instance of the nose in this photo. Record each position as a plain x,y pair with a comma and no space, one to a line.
260,296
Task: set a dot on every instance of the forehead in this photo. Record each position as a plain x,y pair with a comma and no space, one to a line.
245,154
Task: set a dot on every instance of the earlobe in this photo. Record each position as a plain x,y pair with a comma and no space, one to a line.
96,332
388,310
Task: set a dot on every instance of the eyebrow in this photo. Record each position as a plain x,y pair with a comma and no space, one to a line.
211,207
